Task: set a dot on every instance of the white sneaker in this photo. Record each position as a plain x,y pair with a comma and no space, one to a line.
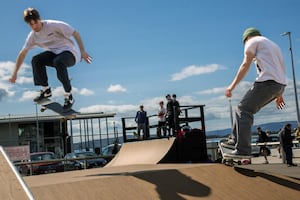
235,153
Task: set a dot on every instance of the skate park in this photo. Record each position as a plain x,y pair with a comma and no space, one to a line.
137,172
165,168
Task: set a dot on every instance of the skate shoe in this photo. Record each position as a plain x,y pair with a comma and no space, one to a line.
44,94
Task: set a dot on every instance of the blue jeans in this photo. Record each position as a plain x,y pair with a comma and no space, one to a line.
259,95
59,61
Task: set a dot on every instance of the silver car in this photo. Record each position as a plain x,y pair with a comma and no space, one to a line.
83,160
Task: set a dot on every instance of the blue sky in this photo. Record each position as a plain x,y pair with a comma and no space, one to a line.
144,49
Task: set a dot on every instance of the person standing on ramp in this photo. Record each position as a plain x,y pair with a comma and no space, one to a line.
268,86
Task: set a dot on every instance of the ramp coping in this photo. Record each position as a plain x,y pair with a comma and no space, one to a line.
19,178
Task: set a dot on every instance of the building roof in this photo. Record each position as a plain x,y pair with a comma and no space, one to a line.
31,118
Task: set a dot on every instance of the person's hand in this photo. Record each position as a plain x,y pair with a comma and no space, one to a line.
279,102
86,57
228,92
13,78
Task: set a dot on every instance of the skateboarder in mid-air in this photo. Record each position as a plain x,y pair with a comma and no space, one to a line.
60,52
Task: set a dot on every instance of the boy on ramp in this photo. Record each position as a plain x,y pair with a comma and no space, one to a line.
268,86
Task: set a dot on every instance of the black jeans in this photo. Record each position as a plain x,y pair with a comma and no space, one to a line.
59,61
288,155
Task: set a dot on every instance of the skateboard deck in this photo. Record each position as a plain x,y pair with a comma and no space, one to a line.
57,108
231,160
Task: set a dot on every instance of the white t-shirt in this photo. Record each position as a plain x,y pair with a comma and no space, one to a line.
162,114
55,36
268,59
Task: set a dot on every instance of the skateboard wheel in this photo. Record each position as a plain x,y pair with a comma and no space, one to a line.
246,162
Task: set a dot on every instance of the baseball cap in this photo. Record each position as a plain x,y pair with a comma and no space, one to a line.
250,32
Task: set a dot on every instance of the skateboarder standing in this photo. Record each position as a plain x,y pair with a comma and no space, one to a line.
141,120
176,111
170,115
60,52
286,141
161,120
268,86
263,138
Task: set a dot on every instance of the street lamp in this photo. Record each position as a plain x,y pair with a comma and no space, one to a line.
294,79
37,128
231,114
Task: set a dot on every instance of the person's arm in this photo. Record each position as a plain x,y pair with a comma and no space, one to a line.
84,54
242,72
136,117
19,62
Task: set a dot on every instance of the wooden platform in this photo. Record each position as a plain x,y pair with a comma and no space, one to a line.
135,174
165,181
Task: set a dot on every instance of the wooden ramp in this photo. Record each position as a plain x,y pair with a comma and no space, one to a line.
142,152
135,174
12,185
164,181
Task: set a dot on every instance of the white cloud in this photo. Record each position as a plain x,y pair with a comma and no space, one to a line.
57,93
195,70
3,94
24,80
6,68
120,109
29,95
24,74
116,88
219,90
86,92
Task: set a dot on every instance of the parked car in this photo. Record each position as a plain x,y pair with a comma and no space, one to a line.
108,150
87,158
43,167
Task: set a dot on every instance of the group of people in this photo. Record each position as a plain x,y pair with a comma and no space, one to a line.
168,118
286,143
286,138
168,122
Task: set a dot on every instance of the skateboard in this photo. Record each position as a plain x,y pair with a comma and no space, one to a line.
231,160
56,107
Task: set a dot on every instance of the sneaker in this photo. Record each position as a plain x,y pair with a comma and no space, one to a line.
235,153
43,95
266,162
69,101
228,141
231,142
292,165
